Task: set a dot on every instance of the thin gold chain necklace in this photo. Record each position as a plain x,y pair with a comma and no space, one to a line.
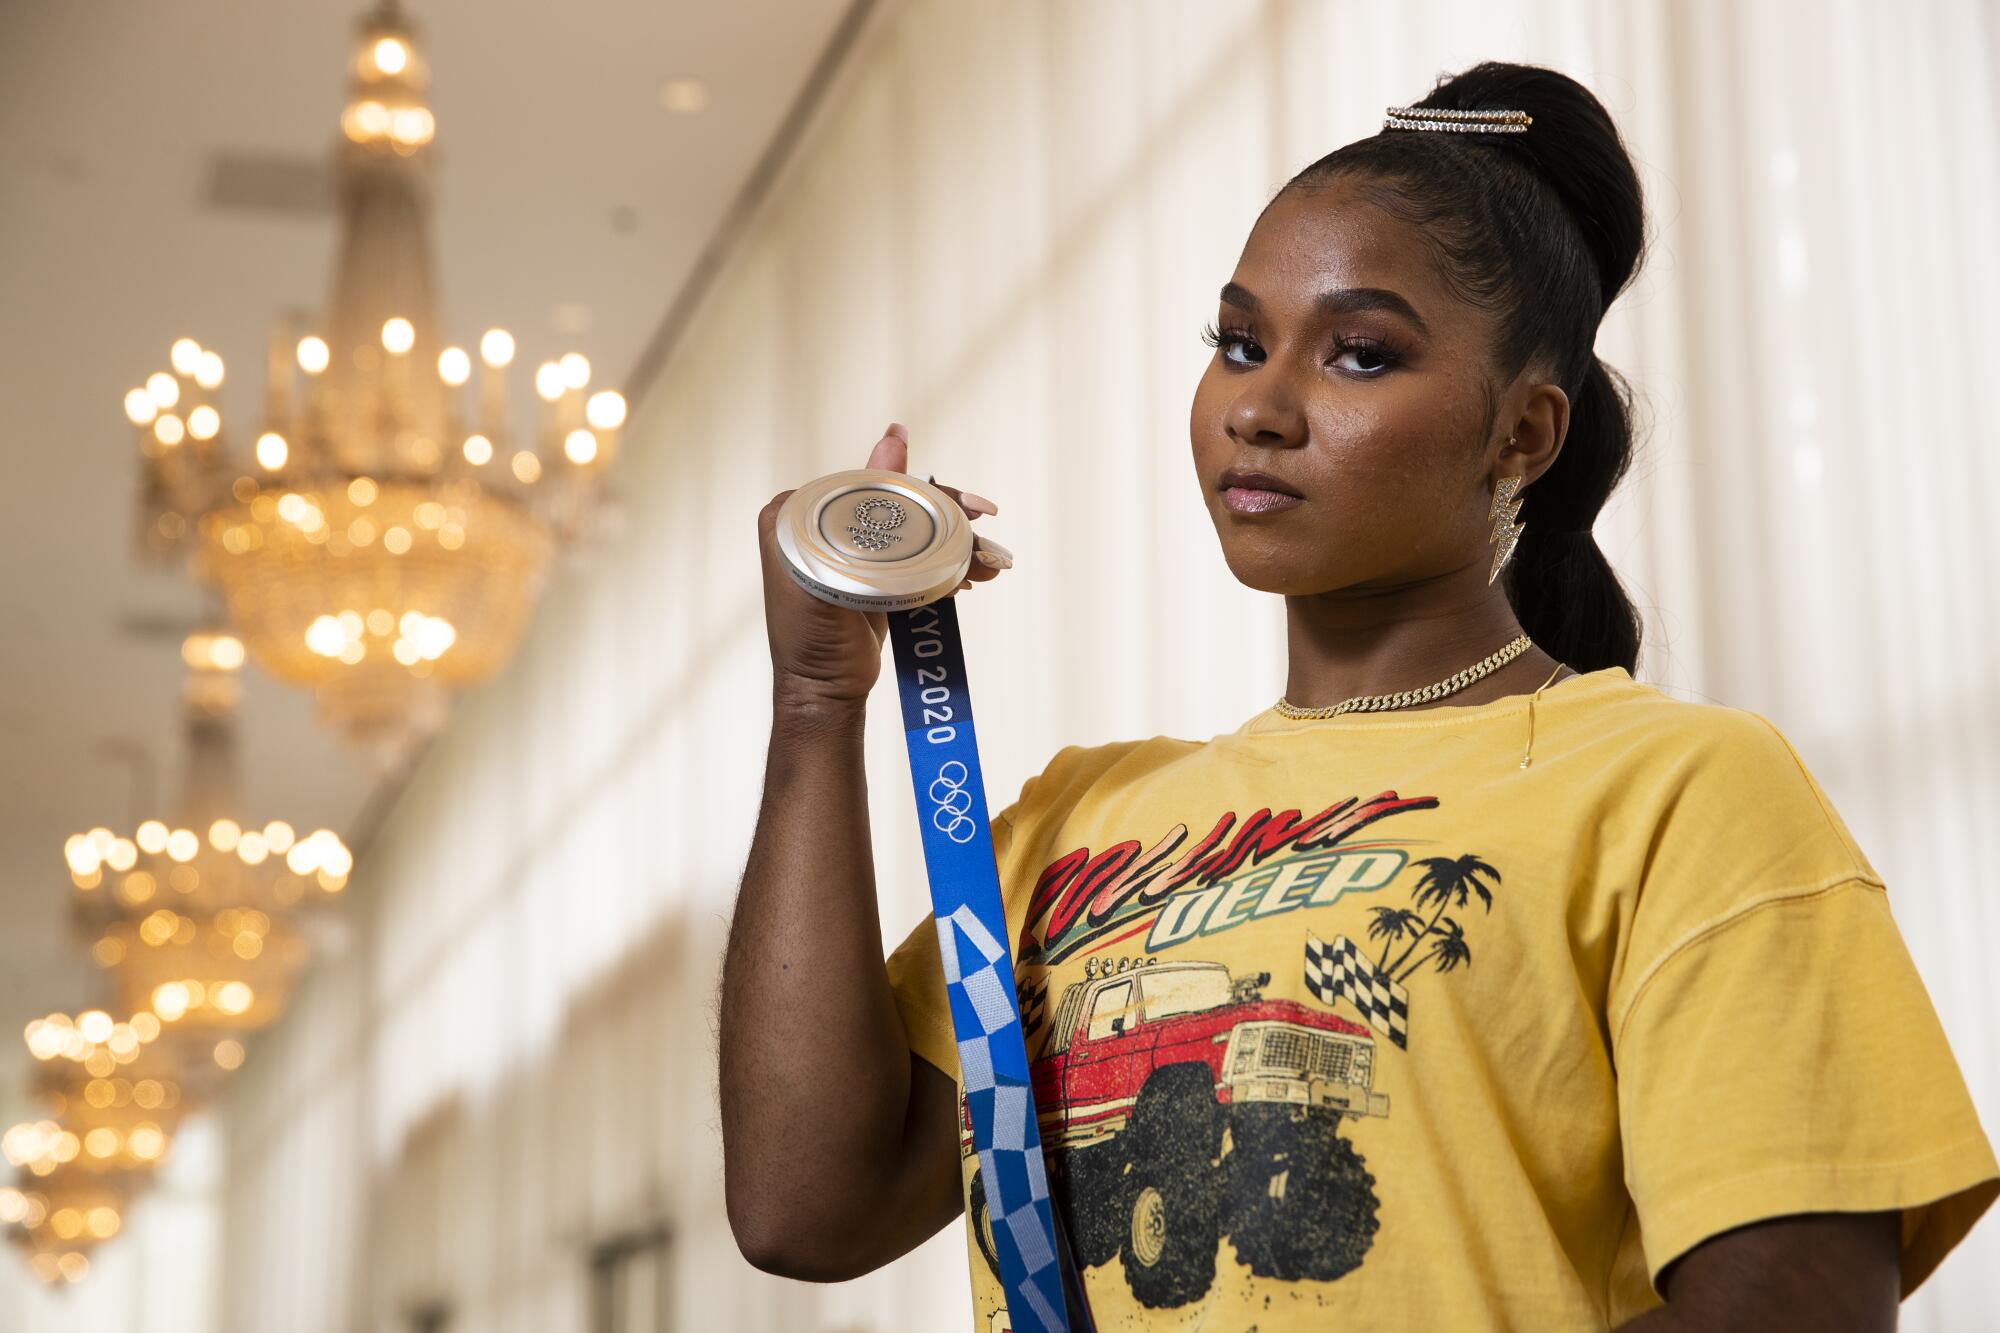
1368,703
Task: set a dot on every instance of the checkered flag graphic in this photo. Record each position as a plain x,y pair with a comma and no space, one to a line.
1337,969
1014,1177
1033,1000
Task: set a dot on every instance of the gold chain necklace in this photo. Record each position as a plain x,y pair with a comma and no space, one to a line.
1404,698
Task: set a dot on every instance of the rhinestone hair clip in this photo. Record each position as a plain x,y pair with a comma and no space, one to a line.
1464,122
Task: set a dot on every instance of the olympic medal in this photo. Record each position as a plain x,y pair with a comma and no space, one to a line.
874,540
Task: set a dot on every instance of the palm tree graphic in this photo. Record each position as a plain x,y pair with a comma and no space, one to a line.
1447,881
1450,950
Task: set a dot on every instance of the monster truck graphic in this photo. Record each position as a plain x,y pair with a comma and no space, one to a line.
1178,1106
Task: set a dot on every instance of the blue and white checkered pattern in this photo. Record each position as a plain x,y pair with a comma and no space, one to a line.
1337,969
979,974
1017,1188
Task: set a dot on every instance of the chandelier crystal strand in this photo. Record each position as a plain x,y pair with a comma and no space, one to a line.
1451,684
388,537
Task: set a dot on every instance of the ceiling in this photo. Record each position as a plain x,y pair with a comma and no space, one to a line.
160,176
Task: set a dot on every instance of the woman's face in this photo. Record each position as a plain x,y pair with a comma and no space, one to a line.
1347,371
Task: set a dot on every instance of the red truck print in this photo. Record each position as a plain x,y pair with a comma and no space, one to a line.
1178,1106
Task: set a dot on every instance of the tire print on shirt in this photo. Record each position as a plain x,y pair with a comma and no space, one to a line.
1180,1107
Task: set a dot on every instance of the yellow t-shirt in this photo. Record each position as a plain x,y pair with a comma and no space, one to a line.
1355,1023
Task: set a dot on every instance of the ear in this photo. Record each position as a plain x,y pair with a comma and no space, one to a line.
1538,428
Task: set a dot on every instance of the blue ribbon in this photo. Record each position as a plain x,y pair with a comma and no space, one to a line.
978,965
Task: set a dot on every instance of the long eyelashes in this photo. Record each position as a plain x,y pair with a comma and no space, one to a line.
1381,351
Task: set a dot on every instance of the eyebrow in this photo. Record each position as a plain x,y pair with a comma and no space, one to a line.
1339,301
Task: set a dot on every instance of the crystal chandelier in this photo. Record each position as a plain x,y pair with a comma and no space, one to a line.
59,1218
199,919
390,537
114,1097
121,1117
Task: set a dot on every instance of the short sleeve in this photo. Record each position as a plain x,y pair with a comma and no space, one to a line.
1786,1058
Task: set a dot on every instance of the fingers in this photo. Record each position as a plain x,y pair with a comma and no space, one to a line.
892,452
973,505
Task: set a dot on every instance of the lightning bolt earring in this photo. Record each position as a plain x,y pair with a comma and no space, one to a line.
1506,531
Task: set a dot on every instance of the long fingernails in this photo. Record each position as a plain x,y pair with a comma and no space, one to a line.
899,430
979,502
992,554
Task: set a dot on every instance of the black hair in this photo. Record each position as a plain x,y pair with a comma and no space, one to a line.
1542,229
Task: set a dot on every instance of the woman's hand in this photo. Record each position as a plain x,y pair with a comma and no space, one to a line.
822,653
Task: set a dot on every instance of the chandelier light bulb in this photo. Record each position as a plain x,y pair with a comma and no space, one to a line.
527,467
391,55
208,370
204,422
398,336
575,369
370,121
478,450
169,430
170,1000
186,355
163,389
454,366
272,451
580,446
139,407
82,855
550,381
496,348
605,410
313,354
326,636
412,126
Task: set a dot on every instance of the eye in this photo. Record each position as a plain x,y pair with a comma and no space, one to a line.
1229,337
1368,349
1376,357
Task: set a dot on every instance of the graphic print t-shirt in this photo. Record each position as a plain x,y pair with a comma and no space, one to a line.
1356,1023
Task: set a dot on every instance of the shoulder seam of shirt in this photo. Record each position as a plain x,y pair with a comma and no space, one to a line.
1703,929
1834,825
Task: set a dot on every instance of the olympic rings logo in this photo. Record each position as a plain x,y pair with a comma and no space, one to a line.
950,813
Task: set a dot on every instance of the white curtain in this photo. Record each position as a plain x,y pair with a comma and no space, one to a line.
1005,228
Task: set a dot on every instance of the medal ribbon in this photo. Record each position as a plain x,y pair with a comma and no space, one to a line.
978,965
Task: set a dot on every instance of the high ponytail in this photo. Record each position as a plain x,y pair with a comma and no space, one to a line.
1543,229
1563,590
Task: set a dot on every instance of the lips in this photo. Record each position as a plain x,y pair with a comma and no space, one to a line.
1238,479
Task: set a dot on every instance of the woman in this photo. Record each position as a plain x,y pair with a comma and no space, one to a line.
1474,984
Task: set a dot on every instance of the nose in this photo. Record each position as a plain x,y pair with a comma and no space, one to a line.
1267,416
